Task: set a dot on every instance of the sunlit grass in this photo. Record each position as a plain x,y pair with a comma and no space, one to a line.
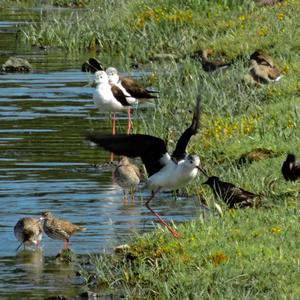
245,254
250,254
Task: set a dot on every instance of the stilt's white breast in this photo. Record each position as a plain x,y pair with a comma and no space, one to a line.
105,100
172,175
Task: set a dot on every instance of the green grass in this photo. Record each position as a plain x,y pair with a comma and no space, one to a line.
250,254
244,255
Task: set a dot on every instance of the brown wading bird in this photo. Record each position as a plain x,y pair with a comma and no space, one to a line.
59,229
290,168
210,65
28,231
165,171
127,176
233,196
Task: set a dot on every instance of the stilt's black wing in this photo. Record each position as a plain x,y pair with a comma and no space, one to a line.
92,65
136,90
149,148
180,150
119,95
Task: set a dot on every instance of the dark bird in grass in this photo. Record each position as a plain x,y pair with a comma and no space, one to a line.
256,154
290,168
232,195
127,175
134,88
210,65
28,231
165,171
59,229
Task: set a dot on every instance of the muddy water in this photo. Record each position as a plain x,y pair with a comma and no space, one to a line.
45,164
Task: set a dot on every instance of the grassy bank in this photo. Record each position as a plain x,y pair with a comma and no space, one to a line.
250,254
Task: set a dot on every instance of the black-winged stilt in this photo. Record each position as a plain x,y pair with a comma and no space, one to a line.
165,171
130,85
110,98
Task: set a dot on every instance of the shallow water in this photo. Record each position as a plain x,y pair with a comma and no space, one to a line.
45,164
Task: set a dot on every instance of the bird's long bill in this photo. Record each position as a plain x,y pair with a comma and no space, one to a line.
202,171
20,245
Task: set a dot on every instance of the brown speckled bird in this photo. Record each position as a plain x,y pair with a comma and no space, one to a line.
28,231
59,229
291,168
233,196
127,175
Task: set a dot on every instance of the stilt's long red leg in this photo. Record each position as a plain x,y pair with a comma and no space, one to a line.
129,127
161,220
66,244
113,132
113,123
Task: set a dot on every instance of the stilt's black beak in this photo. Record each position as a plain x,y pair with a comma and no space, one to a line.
202,171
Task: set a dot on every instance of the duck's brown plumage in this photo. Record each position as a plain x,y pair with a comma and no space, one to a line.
263,73
262,58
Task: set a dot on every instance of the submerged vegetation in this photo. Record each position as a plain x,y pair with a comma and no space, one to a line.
248,253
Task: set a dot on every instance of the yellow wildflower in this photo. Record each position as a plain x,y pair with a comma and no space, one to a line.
242,18
276,230
280,16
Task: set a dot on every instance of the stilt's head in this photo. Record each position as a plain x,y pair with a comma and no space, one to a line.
101,77
112,74
192,161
